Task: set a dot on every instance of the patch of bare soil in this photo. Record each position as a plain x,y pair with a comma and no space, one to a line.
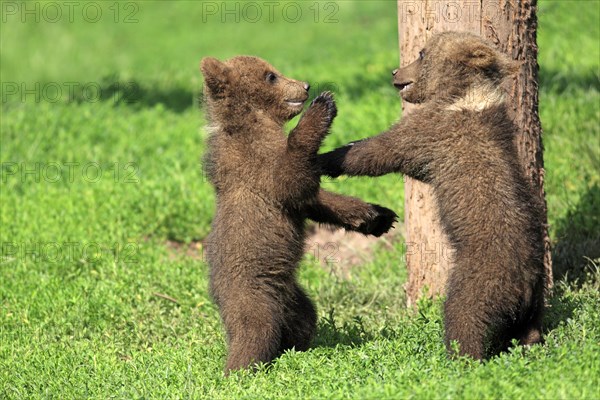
337,250
193,249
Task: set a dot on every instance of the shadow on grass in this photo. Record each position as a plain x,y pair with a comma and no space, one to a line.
578,238
562,81
559,310
360,85
330,334
138,95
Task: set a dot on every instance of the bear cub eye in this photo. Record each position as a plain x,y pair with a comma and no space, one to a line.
421,54
271,77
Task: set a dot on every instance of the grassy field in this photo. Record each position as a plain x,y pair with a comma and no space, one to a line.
101,137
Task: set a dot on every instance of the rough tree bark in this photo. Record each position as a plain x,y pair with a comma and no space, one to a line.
511,25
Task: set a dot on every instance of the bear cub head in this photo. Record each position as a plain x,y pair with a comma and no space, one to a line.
254,85
455,67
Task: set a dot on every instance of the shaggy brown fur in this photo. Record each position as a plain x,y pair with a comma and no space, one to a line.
460,141
266,186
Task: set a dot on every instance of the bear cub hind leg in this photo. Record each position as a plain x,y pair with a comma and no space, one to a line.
463,325
300,323
254,323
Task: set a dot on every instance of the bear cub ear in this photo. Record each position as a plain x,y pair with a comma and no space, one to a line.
480,57
484,57
216,74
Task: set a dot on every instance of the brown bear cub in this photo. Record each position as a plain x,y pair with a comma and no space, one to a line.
460,141
267,184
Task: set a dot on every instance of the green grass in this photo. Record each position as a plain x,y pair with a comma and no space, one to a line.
86,260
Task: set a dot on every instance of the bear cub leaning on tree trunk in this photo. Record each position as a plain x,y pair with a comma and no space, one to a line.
267,184
460,141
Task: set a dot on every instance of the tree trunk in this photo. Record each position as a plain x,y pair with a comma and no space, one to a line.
511,25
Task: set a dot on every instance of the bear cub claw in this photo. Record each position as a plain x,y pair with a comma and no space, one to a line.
326,99
322,111
379,221
314,124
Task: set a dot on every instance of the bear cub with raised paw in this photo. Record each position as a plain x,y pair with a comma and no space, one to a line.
460,141
266,185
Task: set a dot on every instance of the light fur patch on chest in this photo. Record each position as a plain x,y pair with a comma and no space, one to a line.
479,98
213,128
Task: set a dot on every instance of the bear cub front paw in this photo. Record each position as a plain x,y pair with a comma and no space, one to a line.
319,115
314,125
324,109
377,221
